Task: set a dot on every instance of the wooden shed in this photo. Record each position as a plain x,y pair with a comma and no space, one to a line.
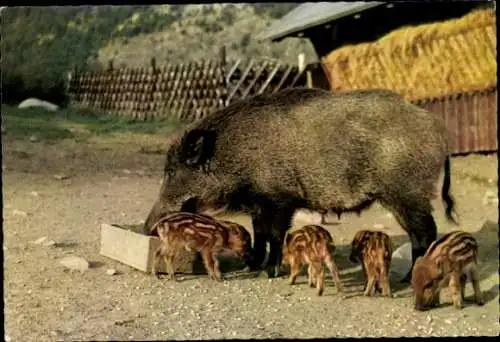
438,54
448,67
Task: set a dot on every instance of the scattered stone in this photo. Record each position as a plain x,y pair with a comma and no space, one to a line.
126,171
33,138
20,213
34,102
490,197
111,272
75,263
40,240
7,338
49,243
61,176
379,226
34,193
44,242
124,321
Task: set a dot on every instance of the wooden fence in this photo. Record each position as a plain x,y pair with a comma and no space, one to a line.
471,120
187,91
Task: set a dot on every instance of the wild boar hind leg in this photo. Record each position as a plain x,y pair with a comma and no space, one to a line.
420,226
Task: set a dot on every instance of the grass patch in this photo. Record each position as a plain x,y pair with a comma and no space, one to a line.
75,123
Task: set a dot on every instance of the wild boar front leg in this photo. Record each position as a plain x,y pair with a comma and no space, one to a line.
311,275
454,287
478,296
156,260
208,261
261,227
280,225
463,281
169,261
294,270
216,273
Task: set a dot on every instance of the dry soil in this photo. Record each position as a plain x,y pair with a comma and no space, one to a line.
110,180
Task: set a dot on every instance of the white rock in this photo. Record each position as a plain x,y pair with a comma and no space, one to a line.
61,177
40,240
378,226
34,193
111,272
33,138
19,213
75,263
401,260
49,243
34,102
7,338
490,197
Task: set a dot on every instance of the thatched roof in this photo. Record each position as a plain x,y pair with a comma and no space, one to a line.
421,62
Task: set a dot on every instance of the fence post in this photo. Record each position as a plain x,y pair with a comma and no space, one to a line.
153,64
222,54
69,76
302,67
110,65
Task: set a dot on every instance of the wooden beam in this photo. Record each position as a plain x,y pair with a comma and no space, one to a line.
240,82
269,78
285,76
256,78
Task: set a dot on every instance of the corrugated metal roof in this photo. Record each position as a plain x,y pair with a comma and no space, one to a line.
312,14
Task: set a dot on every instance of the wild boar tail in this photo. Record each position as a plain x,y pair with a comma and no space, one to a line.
445,192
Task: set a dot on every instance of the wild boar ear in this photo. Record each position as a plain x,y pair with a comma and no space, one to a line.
198,147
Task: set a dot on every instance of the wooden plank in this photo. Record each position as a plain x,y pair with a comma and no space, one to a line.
285,76
299,74
269,78
240,82
233,69
256,78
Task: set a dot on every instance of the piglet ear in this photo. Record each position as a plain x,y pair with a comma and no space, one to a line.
198,147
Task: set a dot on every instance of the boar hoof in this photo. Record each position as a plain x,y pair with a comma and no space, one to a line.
480,302
272,271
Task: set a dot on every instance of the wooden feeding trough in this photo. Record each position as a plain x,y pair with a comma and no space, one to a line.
126,244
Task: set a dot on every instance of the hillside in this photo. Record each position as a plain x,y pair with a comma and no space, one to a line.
200,31
40,44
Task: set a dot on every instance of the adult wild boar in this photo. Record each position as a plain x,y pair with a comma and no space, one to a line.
307,148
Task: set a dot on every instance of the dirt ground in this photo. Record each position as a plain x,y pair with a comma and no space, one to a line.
109,180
